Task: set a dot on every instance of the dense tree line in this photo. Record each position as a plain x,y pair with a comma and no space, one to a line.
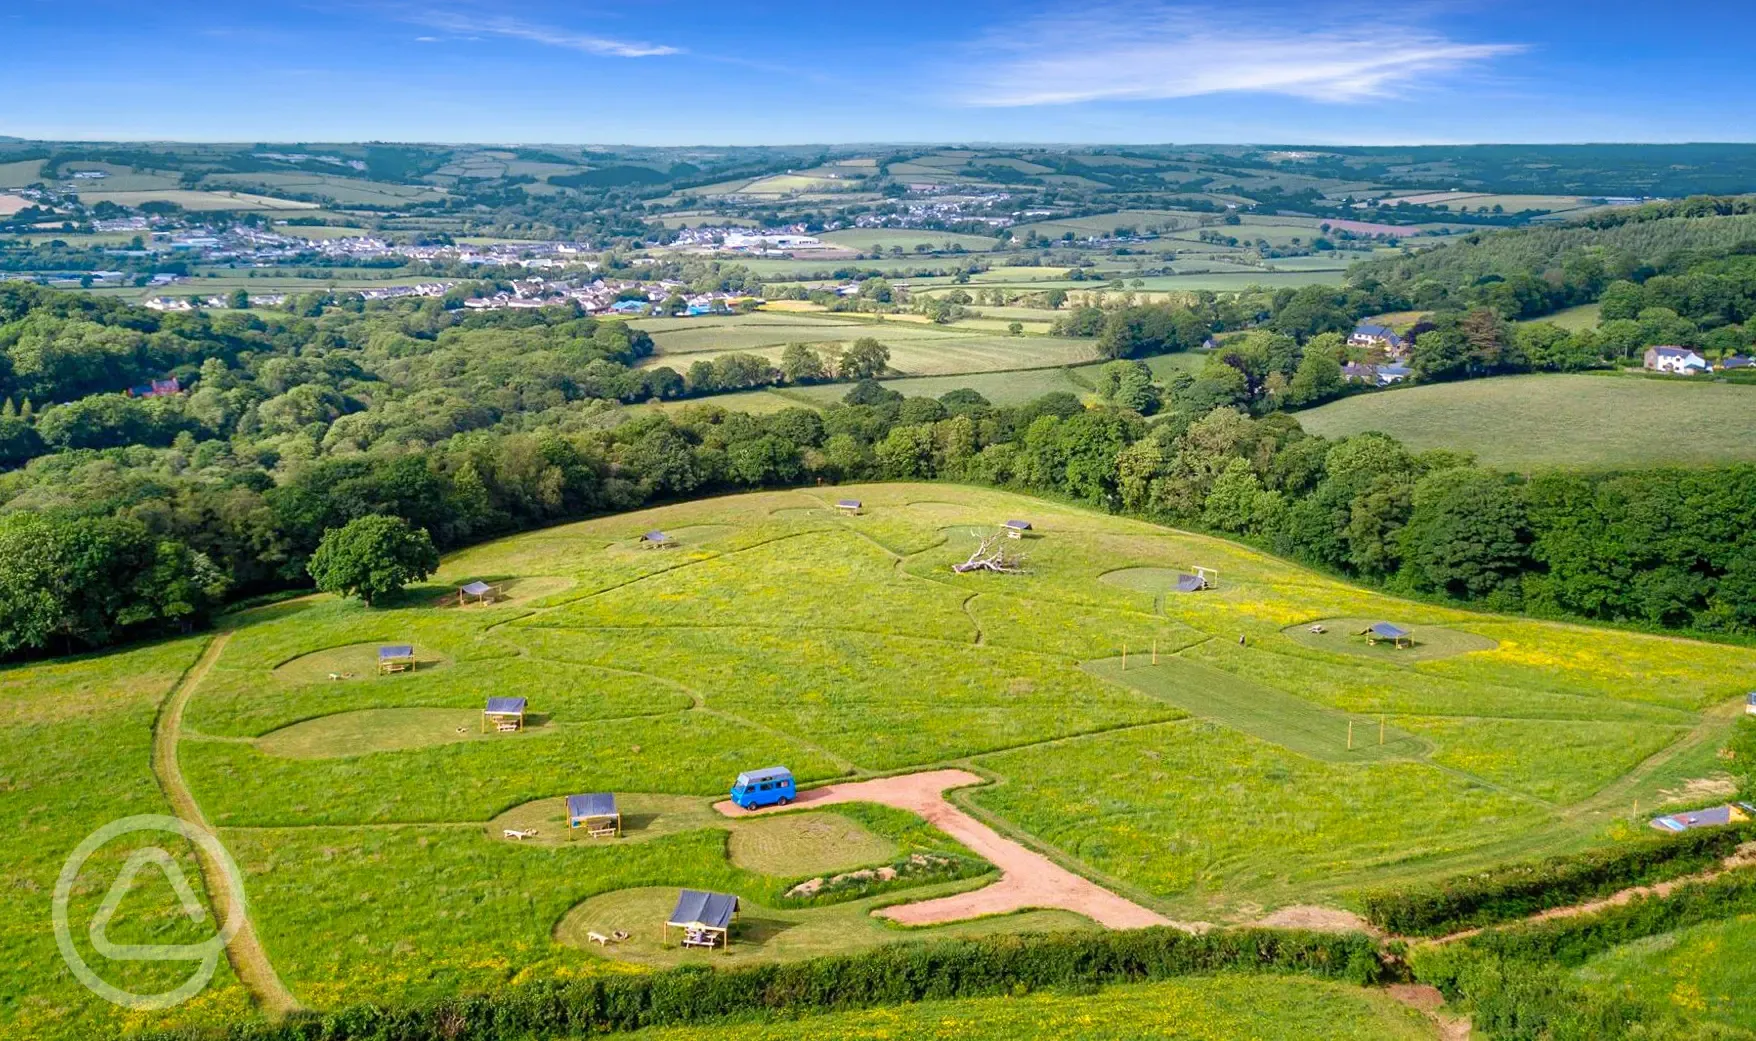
1660,548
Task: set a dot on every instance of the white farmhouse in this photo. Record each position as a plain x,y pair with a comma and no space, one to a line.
1680,360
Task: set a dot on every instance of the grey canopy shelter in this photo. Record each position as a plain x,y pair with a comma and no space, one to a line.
505,713
705,918
1191,583
849,505
596,813
397,657
1015,529
656,540
480,592
1396,634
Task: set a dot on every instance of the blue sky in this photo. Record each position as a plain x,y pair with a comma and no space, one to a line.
757,71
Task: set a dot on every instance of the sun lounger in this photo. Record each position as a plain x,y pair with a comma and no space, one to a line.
514,833
598,938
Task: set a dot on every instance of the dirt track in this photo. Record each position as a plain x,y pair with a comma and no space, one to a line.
1027,879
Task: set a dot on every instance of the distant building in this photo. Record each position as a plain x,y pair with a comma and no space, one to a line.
1736,361
1680,360
1380,336
1388,374
156,389
1356,372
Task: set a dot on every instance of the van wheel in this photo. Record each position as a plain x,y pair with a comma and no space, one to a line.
785,801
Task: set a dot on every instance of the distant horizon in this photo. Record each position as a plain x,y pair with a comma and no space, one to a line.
1443,72
951,143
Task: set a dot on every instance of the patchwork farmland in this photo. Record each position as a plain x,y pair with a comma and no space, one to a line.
1207,756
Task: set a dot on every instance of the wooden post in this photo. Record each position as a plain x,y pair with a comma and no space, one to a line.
1380,729
1155,650
1124,657
1350,735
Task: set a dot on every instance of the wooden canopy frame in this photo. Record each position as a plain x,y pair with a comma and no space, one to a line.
505,719
480,592
396,658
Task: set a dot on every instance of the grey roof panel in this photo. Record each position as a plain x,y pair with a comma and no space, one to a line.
597,804
695,907
771,773
505,706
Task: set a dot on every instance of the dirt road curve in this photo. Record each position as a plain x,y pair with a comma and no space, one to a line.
1027,879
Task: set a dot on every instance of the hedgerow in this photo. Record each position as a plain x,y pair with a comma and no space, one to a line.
889,976
1515,891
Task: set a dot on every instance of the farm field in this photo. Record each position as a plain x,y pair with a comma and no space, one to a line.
1013,387
345,191
1573,319
1216,1008
1705,973
194,200
864,239
916,348
1576,421
21,173
1226,282
1209,777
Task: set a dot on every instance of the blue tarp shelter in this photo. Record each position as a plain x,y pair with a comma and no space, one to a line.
654,539
1191,583
596,813
848,505
1396,634
396,657
705,918
481,591
1015,529
506,714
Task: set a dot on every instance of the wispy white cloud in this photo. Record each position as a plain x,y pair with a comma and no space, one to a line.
551,36
1135,51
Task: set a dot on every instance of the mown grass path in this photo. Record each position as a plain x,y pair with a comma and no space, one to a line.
1028,879
246,954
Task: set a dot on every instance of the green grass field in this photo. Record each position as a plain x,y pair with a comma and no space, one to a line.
345,191
1573,319
916,347
1702,974
868,239
367,812
1582,422
19,174
1216,1008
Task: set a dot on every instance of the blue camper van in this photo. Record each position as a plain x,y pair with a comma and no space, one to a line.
758,788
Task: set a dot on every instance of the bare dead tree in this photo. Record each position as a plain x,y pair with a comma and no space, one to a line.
990,555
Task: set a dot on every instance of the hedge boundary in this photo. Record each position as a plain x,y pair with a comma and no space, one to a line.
897,974
1506,894
1515,981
